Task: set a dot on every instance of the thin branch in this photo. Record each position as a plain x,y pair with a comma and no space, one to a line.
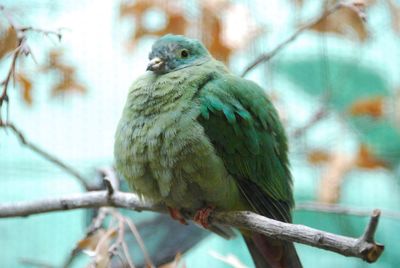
102,245
41,31
97,221
93,199
343,210
267,56
70,170
371,227
35,263
120,243
127,255
22,48
140,242
363,247
10,74
317,117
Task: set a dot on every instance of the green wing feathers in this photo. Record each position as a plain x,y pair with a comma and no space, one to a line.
245,130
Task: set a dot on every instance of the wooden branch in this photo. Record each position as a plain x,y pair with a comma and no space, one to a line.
11,73
363,247
315,118
343,210
267,56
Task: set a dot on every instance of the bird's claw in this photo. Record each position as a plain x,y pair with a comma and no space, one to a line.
202,215
176,215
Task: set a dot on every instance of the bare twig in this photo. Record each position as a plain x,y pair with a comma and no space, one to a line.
22,48
139,240
97,221
363,247
110,178
99,255
11,72
120,243
318,116
119,247
35,263
70,170
106,237
267,56
127,255
371,227
343,210
41,31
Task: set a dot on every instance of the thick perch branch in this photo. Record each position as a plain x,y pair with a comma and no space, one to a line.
363,247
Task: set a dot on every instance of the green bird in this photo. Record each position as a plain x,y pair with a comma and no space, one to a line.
194,136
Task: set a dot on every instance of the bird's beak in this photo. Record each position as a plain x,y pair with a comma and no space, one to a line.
155,64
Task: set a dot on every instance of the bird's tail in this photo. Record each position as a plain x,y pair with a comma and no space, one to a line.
271,253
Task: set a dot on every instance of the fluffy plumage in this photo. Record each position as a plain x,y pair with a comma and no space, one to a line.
193,135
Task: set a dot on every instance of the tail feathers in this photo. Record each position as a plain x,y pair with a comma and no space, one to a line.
271,253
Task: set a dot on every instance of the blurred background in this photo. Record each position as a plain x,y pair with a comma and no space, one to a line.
337,89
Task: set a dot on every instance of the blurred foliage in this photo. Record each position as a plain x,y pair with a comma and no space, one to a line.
210,24
67,81
346,22
359,98
12,38
8,40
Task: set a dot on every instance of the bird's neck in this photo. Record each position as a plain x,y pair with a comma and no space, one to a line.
154,94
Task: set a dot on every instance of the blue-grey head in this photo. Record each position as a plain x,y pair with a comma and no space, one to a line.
174,52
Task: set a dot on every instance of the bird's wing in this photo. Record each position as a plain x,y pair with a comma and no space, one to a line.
246,132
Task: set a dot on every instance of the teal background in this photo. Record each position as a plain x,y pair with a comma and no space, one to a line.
80,129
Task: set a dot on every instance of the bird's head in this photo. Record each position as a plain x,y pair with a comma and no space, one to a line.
174,52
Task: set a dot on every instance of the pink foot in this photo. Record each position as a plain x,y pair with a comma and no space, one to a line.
202,215
176,215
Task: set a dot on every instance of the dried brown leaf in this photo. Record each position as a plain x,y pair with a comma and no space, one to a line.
394,10
8,41
26,86
212,26
213,20
370,106
90,242
67,85
132,9
97,246
347,22
367,159
176,22
68,81
298,3
176,263
318,157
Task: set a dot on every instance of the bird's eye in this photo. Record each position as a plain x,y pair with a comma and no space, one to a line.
184,53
